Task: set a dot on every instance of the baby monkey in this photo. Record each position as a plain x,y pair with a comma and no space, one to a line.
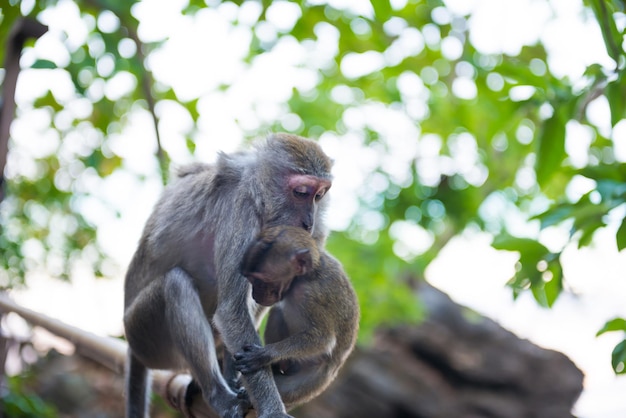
313,323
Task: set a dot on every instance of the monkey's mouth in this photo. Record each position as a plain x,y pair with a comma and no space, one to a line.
264,296
266,300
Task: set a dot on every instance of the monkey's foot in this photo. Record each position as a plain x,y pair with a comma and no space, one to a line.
242,394
238,410
229,404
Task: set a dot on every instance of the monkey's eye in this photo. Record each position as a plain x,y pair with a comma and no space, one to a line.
320,194
301,191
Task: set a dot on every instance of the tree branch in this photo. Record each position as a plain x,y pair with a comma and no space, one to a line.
22,30
146,81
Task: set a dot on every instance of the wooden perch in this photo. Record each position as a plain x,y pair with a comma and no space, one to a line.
111,353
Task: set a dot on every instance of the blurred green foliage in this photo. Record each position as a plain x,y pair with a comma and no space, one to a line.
18,402
519,141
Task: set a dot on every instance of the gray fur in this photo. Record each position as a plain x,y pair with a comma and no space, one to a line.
312,330
185,279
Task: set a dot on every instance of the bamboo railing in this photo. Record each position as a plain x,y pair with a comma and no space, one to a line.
111,353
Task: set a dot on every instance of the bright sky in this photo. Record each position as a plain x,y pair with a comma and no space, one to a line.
468,269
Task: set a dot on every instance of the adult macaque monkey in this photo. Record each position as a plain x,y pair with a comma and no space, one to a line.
185,275
312,330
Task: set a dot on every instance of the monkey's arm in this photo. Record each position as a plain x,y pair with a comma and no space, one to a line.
234,321
234,312
307,344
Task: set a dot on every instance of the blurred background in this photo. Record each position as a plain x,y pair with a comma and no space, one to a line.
479,146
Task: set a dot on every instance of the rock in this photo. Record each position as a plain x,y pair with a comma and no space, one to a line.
454,364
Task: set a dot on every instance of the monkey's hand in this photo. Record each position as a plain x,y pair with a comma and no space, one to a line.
252,358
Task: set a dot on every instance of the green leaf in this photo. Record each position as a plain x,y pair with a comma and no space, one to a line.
540,295
618,358
191,145
588,230
555,215
588,215
48,100
612,190
382,9
615,171
615,93
620,237
612,39
44,64
554,286
615,324
545,289
551,151
523,245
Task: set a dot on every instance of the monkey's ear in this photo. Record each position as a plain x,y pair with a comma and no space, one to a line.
302,261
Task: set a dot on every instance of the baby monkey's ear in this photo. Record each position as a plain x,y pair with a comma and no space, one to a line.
302,261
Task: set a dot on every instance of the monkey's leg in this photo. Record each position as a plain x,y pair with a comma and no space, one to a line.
233,378
305,383
137,388
229,372
192,335
297,381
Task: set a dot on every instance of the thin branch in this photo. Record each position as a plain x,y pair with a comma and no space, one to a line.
22,30
147,81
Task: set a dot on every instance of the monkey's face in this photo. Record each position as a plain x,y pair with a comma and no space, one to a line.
268,289
306,192
273,278
271,263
